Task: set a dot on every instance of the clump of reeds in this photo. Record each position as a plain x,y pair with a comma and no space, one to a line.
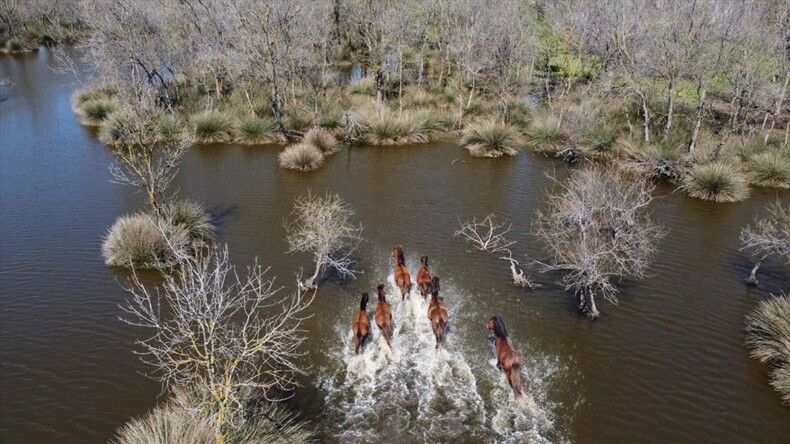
212,127
253,130
301,156
768,335
716,181
491,138
191,217
770,169
545,135
137,241
94,112
323,140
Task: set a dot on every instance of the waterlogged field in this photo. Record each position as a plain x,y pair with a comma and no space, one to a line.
666,365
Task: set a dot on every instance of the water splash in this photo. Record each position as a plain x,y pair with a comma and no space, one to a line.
414,392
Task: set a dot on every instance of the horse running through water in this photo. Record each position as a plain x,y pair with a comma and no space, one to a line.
507,357
361,324
383,315
437,313
424,278
402,277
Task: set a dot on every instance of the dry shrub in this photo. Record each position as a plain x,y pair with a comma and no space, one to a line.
302,157
768,335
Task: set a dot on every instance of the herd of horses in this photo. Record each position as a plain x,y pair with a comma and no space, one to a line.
507,357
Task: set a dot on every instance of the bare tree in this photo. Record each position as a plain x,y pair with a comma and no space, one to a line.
223,336
488,235
323,228
770,236
597,230
143,161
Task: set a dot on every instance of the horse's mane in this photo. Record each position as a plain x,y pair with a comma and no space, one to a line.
499,326
424,260
380,291
363,303
435,286
401,259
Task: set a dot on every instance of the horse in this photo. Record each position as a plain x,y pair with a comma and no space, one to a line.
361,324
402,277
424,278
437,313
384,315
507,356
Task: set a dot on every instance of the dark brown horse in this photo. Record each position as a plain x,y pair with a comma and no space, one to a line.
384,315
507,356
437,313
424,278
402,277
361,324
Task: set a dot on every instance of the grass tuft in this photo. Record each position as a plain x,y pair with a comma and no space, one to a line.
253,130
136,241
166,424
546,136
212,127
770,169
191,217
716,181
768,336
302,157
491,139
323,140
94,112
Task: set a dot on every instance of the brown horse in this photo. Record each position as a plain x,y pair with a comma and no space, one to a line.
424,278
507,356
384,315
361,324
437,313
402,277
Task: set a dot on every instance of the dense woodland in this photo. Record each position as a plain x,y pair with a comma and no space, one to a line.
693,93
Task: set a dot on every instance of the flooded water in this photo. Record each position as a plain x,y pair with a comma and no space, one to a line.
666,365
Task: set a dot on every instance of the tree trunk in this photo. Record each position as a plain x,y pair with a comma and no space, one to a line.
400,81
646,112
752,279
670,108
379,77
778,108
698,120
593,312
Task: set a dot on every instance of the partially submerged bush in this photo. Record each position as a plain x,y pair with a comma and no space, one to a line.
546,136
491,139
323,140
212,127
770,169
768,335
716,181
191,217
137,242
255,131
94,112
166,424
301,156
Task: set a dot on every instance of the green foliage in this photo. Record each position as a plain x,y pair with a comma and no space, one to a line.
716,181
94,112
546,136
491,139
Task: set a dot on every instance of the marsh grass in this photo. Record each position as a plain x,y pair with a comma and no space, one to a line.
770,169
323,140
192,217
768,336
169,423
301,157
545,135
716,181
136,241
252,130
491,138
212,127
169,127
94,112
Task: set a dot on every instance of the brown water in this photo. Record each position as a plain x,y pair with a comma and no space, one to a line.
666,365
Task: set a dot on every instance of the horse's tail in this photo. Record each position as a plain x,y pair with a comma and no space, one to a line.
386,330
441,330
515,378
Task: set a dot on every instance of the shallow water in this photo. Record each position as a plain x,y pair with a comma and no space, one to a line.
666,365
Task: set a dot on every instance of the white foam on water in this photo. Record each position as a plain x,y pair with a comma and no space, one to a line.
416,393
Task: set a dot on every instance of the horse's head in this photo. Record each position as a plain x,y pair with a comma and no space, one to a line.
497,324
435,287
397,253
424,260
363,304
380,291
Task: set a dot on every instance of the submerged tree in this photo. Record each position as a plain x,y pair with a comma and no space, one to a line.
488,235
323,228
597,230
770,236
224,337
